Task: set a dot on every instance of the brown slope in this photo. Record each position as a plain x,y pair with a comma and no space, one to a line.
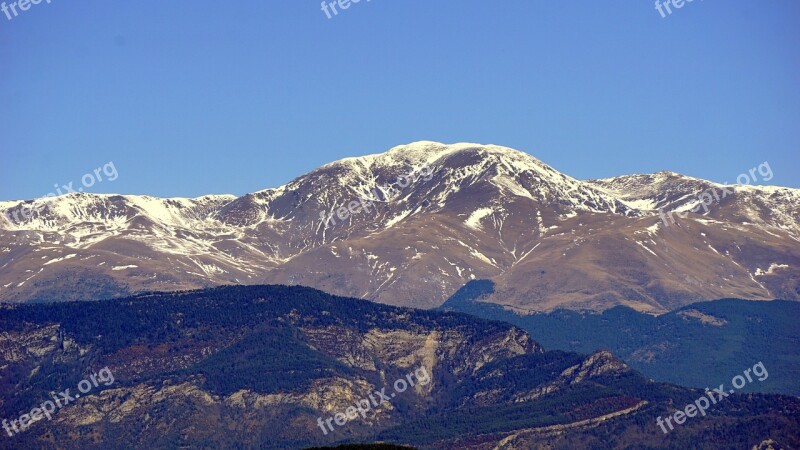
548,240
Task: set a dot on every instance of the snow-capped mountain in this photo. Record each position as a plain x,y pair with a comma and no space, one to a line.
668,191
412,225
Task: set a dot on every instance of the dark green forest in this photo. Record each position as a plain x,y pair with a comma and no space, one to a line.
673,347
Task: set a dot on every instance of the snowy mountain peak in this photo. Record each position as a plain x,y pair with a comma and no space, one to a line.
426,153
380,227
73,209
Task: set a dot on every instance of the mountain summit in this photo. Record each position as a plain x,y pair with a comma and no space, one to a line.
412,225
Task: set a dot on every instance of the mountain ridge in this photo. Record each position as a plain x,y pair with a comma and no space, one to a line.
690,346
485,212
263,366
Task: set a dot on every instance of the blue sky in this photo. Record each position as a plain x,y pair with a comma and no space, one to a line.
195,97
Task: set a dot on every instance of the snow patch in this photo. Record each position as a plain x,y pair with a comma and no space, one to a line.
760,272
55,260
474,220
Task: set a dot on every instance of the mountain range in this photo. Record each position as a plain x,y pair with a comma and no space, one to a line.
546,240
691,346
264,366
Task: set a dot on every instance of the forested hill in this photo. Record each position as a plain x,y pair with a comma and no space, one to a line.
263,366
693,346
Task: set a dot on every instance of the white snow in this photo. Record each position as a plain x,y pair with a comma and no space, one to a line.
645,247
474,219
390,223
55,260
771,269
654,228
644,204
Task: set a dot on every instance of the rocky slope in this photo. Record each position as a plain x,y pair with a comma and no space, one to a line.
257,366
436,217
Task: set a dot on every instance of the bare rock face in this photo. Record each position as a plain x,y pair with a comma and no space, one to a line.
411,226
768,444
514,342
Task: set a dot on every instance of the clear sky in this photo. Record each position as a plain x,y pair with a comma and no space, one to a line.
195,97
